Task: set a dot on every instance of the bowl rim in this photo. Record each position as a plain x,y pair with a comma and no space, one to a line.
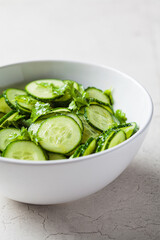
91,156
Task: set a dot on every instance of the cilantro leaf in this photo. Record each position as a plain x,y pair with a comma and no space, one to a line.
59,91
121,116
77,94
79,99
40,109
24,135
34,137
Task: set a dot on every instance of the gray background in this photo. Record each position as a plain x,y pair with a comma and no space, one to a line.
124,34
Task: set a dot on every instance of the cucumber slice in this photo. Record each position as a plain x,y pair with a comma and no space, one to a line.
89,147
77,152
54,112
66,97
75,84
128,128
117,138
33,129
115,120
97,94
44,89
85,149
98,117
10,96
59,134
25,150
110,139
77,119
7,118
61,110
103,140
65,100
56,156
105,105
4,108
5,135
25,103
71,153
88,131
23,110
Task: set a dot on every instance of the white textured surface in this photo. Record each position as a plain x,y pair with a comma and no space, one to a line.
120,33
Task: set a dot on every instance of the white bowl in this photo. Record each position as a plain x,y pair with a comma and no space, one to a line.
53,182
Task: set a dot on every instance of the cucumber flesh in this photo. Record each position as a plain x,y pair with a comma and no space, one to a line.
5,135
33,129
115,120
105,105
98,117
130,130
25,103
89,147
66,97
10,96
116,139
88,131
110,139
54,112
97,94
8,118
85,149
59,134
107,140
103,140
44,89
22,110
61,110
77,119
4,108
24,150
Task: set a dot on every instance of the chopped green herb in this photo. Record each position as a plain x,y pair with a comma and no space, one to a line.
24,135
121,116
40,109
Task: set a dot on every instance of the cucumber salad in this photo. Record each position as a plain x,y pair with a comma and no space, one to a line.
53,119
